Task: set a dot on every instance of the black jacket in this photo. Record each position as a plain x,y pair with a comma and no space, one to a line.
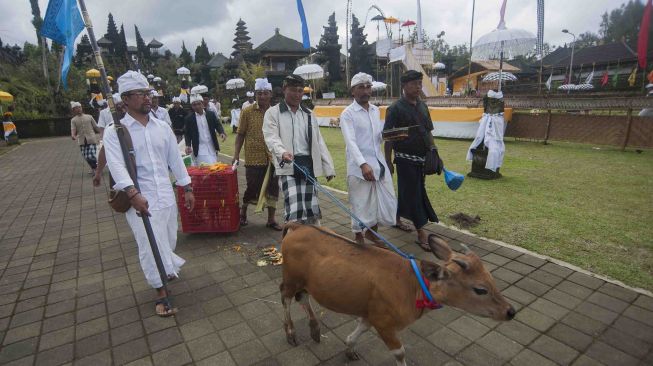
177,117
192,134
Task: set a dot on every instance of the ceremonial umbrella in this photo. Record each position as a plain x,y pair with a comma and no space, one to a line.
407,23
6,97
93,73
439,66
584,87
157,79
183,71
235,84
567,87
391,20
503,43
494,76
377,86
310,71
199,89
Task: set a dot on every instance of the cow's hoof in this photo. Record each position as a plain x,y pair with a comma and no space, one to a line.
352,355
291,339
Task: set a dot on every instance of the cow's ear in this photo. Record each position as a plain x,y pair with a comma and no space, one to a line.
439,247
434,272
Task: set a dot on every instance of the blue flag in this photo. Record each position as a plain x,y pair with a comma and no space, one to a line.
62,24
302,16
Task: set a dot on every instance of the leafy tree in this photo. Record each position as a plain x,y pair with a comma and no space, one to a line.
202,54
623,23
185,56
84,51
359,52
250,72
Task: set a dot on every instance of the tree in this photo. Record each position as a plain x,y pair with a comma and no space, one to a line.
143,51
623,23
112,34
185,56
329,50
359,52
587,39
121,47
250,72
202,54
242,45
37,21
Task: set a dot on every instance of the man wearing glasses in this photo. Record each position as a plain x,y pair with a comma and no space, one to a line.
292,134
155,149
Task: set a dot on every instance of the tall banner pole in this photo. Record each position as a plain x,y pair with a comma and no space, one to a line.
131,168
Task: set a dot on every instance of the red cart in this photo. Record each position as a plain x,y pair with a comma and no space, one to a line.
216,202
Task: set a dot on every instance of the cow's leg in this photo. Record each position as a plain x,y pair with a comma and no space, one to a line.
288,327
305,300
362,327
391,340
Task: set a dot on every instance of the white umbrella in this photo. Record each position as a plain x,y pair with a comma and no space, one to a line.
199,89
494,76
377,86
235,83
310,71
156,79
503,43
439,66
567,87
183,71
150,76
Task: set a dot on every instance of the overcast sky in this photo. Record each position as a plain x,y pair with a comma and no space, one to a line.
171,21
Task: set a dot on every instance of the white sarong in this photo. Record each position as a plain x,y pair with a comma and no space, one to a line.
490,132
373,202
164,226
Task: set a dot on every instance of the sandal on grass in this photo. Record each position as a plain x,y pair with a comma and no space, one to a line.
165,309
403,227
425,247
273,226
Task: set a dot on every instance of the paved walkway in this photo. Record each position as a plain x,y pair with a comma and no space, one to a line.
72,292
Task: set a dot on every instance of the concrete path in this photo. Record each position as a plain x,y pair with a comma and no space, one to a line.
72,292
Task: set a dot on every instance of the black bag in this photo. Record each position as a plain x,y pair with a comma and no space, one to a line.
432,162
306,161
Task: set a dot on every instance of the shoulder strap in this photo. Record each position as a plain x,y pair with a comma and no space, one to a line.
122,130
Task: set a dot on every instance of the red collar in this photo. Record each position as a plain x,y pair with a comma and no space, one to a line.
423,302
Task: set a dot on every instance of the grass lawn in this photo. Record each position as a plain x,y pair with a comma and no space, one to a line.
589,206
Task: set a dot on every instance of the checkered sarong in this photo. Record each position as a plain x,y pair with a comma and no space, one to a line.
301,201
89,152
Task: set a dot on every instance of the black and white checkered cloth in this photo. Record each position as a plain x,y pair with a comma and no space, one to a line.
89,152
418,159
301,202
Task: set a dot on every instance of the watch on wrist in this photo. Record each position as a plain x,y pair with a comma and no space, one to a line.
188,188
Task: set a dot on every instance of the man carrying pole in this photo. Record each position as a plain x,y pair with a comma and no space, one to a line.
63,23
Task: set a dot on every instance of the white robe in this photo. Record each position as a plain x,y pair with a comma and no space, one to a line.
235,117
490,132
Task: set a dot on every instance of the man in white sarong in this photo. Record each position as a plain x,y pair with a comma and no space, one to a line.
155,150
200,134
249,101
371,193
235,115
157,112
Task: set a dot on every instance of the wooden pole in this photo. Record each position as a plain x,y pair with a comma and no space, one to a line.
548,127
629,123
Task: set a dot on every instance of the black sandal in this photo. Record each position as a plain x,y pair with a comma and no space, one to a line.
274,226
168,309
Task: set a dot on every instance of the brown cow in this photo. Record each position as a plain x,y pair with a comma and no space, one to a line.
378,286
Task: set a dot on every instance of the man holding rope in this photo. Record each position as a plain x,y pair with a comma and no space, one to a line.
292,134
155,149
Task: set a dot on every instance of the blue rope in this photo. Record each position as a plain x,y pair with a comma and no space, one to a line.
410,257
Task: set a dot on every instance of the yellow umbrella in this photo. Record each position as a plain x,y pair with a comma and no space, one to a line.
110,78
93,73
6,97
307,89
391,20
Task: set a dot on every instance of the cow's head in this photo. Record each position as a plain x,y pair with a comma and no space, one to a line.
461,281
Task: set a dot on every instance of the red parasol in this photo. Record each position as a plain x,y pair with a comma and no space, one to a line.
408,23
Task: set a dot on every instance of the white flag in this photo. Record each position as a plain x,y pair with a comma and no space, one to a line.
548,82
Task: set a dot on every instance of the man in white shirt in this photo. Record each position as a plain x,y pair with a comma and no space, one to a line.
371,193
249,101
105,117
235,115
200,133
155,150
157,112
